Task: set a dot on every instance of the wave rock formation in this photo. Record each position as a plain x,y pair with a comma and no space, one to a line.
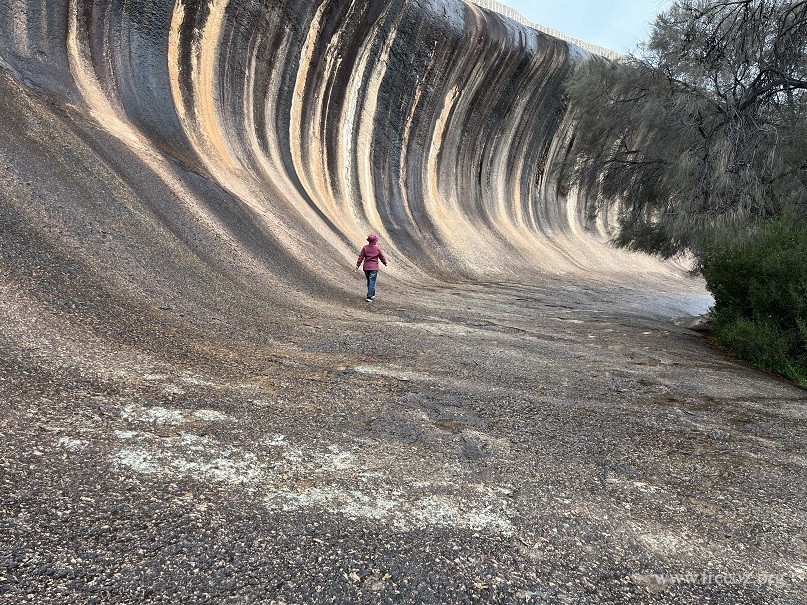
264,139
196,403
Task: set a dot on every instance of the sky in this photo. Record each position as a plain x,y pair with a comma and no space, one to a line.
618,26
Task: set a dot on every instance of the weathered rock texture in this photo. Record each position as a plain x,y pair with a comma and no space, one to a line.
192,407
435,123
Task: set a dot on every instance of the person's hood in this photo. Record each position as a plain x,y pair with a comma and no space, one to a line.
372,238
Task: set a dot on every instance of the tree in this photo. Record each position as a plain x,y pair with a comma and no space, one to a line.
705,129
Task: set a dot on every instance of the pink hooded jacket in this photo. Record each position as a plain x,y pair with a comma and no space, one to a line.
371,254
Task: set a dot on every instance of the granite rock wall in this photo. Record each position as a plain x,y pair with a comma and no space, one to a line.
286,126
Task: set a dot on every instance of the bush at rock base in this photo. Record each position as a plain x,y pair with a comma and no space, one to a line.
759,281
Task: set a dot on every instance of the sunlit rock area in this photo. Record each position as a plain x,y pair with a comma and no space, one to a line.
198,404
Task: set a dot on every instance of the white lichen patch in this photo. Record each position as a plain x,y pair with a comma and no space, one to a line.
665,543
484,511
646,487
337,459
398,507
262,403
196,380
358,482
197,442
159,415
219,469
69,443
276,440
352,503
136,459
155,377
228,465
391,372
152,415
210,415
172,389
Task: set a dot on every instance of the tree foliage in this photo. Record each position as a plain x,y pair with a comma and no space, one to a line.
760,289
706,128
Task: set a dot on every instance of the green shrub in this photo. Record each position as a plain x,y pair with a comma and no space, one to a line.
759,281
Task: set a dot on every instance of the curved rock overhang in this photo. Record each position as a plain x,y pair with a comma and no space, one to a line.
266,138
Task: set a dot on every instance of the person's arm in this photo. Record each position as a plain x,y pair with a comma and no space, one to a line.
360,259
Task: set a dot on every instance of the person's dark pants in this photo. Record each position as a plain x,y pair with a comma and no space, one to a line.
371,277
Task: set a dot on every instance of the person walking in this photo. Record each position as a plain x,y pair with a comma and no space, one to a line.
370,255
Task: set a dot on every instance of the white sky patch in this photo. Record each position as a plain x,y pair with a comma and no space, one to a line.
618,27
